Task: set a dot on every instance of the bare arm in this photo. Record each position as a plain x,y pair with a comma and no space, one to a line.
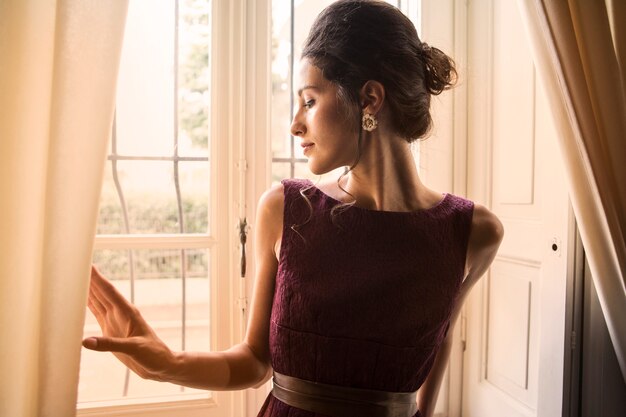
484,240
132,340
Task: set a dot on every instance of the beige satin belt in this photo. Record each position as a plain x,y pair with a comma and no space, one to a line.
337,401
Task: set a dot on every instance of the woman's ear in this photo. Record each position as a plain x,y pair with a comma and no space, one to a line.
372,97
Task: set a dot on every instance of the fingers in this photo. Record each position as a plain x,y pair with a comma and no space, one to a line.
94,304
110,344
105,293
97,312
106,304
90,343
103,289
96,293
121,348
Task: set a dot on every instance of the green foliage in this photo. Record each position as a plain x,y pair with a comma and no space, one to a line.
151,264
149,214
154,216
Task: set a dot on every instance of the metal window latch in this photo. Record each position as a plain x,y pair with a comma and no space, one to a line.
243,237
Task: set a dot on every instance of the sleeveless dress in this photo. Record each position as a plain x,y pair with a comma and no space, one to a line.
363,299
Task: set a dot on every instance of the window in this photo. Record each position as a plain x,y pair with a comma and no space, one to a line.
157,236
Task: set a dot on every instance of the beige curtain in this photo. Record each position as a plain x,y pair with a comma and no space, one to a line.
58,68
580,55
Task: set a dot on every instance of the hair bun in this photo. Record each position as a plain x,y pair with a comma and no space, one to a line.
439,69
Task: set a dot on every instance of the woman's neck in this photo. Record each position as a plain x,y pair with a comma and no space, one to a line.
386,177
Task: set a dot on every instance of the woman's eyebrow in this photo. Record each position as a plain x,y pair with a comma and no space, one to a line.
307,87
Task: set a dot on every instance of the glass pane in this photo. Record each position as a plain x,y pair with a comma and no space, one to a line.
194,77
157,289
145,92
281,136
146,114
281,78
280,171
111,215
194,181
150,196
298,152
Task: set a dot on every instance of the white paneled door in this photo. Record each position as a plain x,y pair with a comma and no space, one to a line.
513,364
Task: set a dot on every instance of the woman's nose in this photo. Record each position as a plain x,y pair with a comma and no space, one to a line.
297,127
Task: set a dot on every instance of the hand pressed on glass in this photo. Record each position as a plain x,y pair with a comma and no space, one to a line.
131,339
125,332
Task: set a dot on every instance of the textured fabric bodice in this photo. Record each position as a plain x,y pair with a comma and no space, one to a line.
363,299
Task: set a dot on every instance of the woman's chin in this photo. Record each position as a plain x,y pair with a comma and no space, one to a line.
317,169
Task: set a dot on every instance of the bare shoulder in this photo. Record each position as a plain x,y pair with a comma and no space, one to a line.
269,221
487,229
484,240
273,198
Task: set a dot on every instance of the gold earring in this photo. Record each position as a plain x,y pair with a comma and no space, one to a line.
369,122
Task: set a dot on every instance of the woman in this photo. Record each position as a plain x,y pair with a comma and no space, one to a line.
359,279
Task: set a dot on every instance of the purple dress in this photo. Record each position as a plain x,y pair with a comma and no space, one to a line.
363,301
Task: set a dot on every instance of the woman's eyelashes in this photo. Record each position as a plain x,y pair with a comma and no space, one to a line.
308,103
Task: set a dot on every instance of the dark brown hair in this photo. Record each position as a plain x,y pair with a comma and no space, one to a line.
353,41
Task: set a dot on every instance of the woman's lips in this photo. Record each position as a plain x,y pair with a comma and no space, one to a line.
306,146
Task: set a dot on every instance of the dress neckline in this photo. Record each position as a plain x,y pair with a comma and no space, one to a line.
438,205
